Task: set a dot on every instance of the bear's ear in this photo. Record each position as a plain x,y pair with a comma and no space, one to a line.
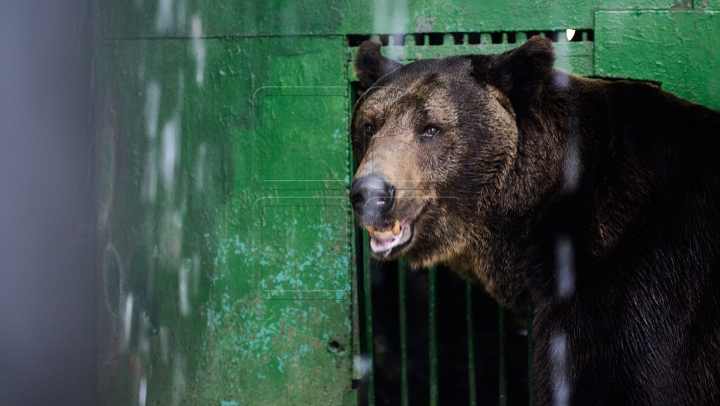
518,73
370,65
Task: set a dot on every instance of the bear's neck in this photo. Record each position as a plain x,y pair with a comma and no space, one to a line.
542,190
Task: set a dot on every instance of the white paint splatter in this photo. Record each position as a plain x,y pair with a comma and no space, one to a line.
152,112
178,379
149,187
164,347
127,321
561,81
170,151
198,49
171,234
361,367
183,281
152,108
164,21
142,392
561,381
565,266
571,165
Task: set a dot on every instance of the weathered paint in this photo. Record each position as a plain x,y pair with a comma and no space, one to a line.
224,168
402,315
679,49
706,4
475,16
221,18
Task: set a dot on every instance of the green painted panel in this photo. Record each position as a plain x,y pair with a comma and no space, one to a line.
706,4
409,16
187,18
295,147
212,267
304,248
681,50
212,18
274,352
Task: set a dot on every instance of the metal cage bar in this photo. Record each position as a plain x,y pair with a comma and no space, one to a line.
502,401
472,380
433,339
432,309
367,292
402,305
531,348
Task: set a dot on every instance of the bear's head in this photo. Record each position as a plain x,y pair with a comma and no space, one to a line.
435,141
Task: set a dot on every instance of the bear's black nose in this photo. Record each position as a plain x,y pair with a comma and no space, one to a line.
372,197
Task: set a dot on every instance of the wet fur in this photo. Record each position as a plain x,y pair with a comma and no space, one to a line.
642,324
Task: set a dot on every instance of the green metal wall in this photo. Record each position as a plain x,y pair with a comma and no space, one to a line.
227,251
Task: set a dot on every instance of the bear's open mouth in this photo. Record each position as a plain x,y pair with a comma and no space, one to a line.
385,238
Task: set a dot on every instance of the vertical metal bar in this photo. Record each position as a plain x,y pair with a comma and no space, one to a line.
471,345
432,303
531,351
367,285
355,285
353,236
402,304
409,40
501,334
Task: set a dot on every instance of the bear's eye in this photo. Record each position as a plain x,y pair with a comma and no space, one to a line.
431,131
369,130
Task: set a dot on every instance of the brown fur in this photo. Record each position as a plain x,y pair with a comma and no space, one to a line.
529,159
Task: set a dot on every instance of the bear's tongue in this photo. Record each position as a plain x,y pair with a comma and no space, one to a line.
382,242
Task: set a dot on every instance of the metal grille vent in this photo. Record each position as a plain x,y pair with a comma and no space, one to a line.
468,38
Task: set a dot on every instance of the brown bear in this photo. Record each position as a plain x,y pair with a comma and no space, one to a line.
597,202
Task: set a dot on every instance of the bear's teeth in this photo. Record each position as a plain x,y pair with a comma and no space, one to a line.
370,229
396,228
384,233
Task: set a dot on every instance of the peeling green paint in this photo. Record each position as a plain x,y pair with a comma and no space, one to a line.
228,255
224,163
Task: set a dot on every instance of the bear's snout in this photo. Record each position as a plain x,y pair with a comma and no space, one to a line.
372,198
